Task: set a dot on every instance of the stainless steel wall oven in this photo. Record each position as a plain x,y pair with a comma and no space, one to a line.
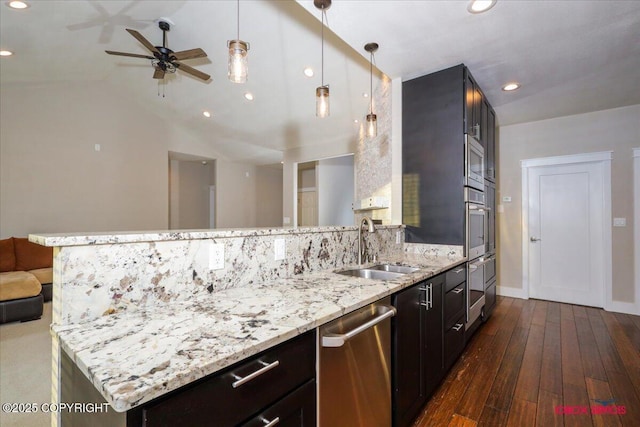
476,223
473,163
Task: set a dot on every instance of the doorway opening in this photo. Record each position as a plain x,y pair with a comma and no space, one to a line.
192,181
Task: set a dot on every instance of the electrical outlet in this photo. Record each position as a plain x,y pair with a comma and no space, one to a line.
280,249
619,222
216,256
398,237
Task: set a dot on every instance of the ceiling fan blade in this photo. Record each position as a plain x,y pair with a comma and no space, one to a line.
134,55
142,40
158,74
189,54
192,71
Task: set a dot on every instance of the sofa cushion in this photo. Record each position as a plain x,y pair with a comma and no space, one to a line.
7,256
18,284
44,275
31,256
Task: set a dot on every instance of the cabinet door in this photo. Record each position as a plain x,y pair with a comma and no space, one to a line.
432,315
484,126
469,103
490,202
408,389
490,149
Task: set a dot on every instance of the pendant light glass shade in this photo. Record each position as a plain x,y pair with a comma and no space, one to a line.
322,101
372,125
238,61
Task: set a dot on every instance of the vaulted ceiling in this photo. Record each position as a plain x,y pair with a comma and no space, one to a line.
570,57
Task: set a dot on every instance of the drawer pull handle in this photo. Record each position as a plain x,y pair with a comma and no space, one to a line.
242,380
271,423
457,327
458,271
457,290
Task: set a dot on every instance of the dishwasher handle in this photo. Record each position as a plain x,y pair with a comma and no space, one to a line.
338,340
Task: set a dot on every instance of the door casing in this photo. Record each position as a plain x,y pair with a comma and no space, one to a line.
604,158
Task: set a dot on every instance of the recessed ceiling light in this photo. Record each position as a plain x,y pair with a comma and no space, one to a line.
365,95
248,96
308,72
206,114
355,121
479,6
5,53
509,87
17,4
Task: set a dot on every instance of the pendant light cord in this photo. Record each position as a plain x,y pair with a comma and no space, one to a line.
238,26
371,84
322,47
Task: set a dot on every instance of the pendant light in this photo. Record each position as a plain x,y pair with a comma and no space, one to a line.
372,119
238,62
322,92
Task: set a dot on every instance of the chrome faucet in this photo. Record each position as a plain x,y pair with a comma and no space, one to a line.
362,248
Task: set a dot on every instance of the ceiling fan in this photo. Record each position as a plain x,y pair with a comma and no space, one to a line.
164,60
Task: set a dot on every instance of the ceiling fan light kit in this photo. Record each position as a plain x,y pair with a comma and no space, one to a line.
163,59
322,92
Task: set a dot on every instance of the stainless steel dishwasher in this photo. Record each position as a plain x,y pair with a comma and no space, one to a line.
355,362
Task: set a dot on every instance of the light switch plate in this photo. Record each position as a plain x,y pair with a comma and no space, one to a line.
280,249
216,256
619,222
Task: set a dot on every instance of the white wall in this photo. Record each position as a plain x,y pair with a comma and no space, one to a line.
52,179
269,196
614,130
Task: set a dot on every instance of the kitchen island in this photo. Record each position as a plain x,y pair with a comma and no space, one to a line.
143,350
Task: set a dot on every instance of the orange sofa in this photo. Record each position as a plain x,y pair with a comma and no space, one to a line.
26,277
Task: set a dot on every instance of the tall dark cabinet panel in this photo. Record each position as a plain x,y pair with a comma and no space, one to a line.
433,113
417,338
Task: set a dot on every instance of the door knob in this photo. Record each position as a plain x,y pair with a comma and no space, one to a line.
534,239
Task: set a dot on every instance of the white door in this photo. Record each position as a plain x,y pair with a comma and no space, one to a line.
566,240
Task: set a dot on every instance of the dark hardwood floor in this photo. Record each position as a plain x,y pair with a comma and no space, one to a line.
541,363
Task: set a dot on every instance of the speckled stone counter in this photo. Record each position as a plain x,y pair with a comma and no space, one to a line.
134,356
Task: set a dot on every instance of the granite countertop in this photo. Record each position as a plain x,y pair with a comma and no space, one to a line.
133,357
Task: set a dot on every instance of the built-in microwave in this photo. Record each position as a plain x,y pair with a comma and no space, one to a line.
474,163
476,223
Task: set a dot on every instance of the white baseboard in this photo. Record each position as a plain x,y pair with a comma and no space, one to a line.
507,291
623,307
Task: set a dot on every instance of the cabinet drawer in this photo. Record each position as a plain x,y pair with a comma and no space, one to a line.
453,305
453,342
455,276
490,269
214,401
297,409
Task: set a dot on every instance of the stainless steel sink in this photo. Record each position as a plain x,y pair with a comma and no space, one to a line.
380,272
371,274
402,269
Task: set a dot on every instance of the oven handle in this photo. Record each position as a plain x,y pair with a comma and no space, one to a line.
338,340
475,265
478,208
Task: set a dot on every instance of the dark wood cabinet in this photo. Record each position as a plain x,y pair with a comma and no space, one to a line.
433,111
265,382
454,341
490,146
297,409
417,348
490,202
